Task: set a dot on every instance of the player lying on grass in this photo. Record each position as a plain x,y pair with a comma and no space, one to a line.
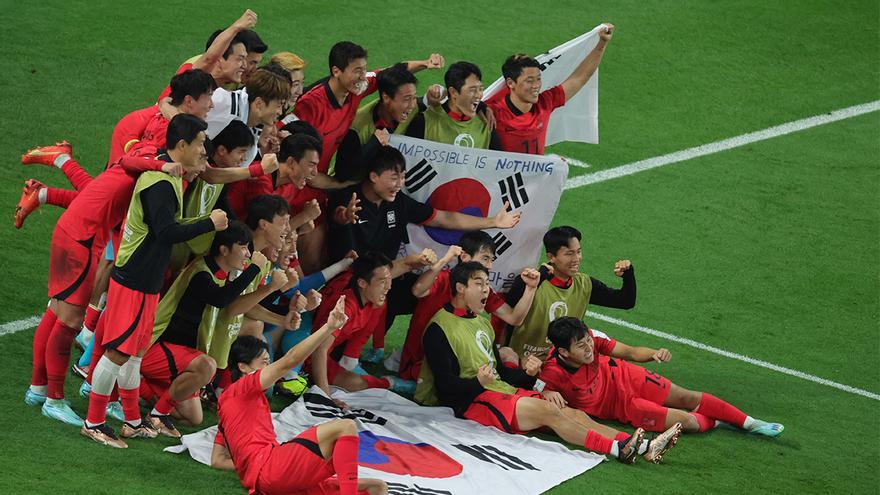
246,440
461,371
592,373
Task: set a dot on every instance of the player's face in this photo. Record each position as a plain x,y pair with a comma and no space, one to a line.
477,292
484,256
251,62
193,156
376,290
285,255
354,77
230,159
237,256
268,112
528,85
403,103
201,106
256,364
233,67
567,260
387,184
303,171
276,230
296,86
580,352
467,100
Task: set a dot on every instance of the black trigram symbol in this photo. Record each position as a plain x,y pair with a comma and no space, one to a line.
492,455
419,176
401,489
502,243
322,407
513,191
549,62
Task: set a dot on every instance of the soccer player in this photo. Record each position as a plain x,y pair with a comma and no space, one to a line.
564,291
454,122
173,370
246,440
152,226
462,373
593,373
522,110
433,291
294,65
255,49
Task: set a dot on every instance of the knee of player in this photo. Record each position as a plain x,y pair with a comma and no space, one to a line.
195,416
205,366
347,427
690,400
690,423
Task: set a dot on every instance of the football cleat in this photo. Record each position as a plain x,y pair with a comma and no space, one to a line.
84,390
80,371
46,155
103,434
114,410
143,430
373,356
768,429
29,202
34,399
628,453
61,411
662,443
162,423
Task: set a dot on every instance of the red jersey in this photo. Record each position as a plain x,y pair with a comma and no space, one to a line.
319,107
525,132
244,421
152,138
104,203
590,387
128,131
363,318
240,193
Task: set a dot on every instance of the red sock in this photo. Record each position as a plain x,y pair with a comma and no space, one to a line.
130,408
716,408
597,443
345,463
78,177
41,338
374,382
58,357
92,315
621,436
97,408
60,197
165,404
706,423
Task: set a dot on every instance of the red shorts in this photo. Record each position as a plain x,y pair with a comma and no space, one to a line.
640,397
295,466
161,365
128,319
498,409
72,267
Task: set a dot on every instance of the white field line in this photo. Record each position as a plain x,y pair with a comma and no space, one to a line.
733,355
574,162
19,325
724,144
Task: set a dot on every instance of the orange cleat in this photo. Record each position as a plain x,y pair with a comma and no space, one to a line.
30,201
46,155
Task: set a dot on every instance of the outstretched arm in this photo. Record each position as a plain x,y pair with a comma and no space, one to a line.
640,354
221,43
588,65
460,221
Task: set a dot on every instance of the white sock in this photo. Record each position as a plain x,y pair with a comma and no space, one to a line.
751,422
41,195
55,402
130,374
61,159
615,450
105,375
336,268
40,389
154,412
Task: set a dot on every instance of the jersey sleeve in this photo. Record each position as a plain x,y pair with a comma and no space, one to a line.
224,111
494,302
415,211
602,342
553,377
552,99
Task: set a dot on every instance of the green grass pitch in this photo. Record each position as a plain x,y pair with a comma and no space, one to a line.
771,250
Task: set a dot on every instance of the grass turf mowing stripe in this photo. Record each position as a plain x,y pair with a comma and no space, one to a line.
733,355
724,144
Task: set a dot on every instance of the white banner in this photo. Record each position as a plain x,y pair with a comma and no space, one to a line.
424,450
578,120
478,182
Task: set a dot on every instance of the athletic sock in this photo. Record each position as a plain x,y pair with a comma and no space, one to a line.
706,423
41,339
78,177
97,409
598,443
751,423
39,389
58,197
345,458
104,377
61,159
164,405
43,195
129,390
716,408
58,357
621,437
375,382
92,315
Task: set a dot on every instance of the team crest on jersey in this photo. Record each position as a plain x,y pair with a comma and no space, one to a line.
558,310
464,140
392,219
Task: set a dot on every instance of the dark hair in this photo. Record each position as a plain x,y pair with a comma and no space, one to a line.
266,207
302,127
252,41
296,146
471,242
235,233
244,349
193,83
559,237
268,86
564,329
344,53
183,127
236,134
464,272
364,266
515,64
228,51
387,158
281,71
458,72
390,80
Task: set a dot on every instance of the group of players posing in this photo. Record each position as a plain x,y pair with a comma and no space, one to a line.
197,255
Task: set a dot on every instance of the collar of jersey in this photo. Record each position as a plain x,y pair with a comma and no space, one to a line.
455,115
219,273
332,97
562,284
460,312
352,284
562,364
512,107
380,123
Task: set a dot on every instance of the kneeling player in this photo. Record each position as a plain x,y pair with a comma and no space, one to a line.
582,367
462,373
246,440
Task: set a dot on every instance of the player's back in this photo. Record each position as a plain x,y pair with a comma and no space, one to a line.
101,206
129,130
